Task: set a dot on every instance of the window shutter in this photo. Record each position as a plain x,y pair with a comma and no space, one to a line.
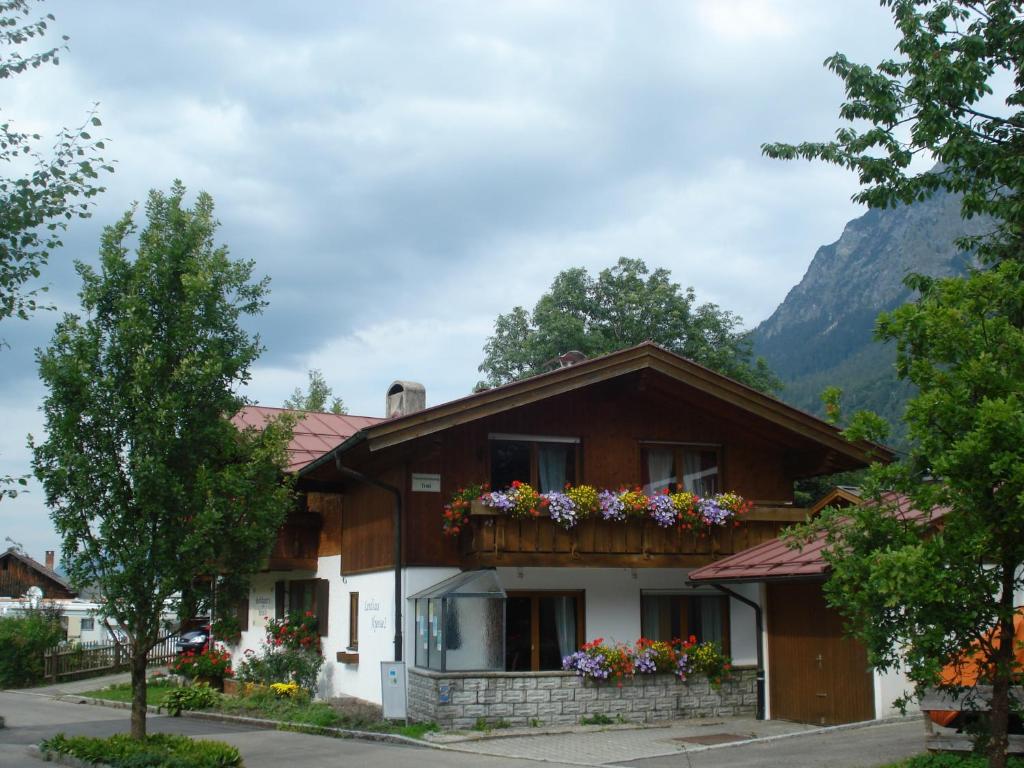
279,592
243,614
323,602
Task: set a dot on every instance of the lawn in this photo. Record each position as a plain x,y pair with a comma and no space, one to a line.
155,693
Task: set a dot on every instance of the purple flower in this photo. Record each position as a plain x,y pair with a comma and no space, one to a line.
645,662
712,513
562,509
611,505
662,510
503,501
682,666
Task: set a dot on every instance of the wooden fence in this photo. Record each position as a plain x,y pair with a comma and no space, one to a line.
92,659
973,699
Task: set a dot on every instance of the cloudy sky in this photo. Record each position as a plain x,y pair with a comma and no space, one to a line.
404,172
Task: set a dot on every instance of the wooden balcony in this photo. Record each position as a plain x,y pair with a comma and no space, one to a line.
297,545
498,540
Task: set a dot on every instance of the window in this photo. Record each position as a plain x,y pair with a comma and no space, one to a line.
353,621
88,624
694,467
666,617
301,596
546,463
542,628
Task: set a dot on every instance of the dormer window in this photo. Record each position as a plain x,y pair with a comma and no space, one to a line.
545,462
666,465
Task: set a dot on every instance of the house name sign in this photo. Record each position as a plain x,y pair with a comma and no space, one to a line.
426,483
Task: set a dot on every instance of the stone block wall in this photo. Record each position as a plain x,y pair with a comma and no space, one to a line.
457,700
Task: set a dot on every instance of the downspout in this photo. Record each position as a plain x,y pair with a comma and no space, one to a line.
397,522
758,627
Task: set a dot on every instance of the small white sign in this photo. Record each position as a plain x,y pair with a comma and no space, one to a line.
426,482
392,684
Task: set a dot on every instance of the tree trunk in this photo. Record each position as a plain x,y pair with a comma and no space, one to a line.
1002,664
138,692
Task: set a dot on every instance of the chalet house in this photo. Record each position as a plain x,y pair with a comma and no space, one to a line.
496,607
19,572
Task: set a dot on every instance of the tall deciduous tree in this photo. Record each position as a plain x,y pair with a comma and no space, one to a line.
316,397
919,592
625,305
150,485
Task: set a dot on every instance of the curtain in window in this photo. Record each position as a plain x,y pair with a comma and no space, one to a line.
660,469
700,472
650,619
710,619
553,460
565,624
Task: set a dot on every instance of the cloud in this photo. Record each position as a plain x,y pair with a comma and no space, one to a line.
404,173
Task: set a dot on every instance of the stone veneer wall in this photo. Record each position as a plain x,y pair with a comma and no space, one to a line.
518,698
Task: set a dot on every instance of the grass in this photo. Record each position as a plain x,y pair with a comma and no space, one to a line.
158,750
950,760
298,714
155,693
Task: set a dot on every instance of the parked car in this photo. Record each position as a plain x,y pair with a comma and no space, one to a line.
193,640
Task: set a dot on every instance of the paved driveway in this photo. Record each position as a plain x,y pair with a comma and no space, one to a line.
34,716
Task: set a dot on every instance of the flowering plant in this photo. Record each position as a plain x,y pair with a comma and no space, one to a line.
634,501
562,509
599,661
212,663
585,498
567,507
519,500
289,690
456,512
663,510
708,658
298,631
290,652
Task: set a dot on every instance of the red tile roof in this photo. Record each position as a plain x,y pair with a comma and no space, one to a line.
775,559
314,435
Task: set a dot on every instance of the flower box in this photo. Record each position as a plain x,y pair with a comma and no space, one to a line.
477,507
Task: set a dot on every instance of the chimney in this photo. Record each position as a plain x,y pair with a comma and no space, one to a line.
405,397
49,559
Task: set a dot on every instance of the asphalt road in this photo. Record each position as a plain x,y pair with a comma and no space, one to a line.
33,716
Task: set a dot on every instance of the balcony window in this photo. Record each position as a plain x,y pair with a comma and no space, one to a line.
696,468
666,617
546,463
460,624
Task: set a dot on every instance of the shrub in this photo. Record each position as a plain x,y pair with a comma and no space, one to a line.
212,663
158,750
193,697
952,760
290,652
24,640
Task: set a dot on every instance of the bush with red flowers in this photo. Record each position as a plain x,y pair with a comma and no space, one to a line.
290,652
211,664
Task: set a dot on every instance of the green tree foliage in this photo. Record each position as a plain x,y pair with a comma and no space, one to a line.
316,397
48,189
24,638
919,592
624,305
151,487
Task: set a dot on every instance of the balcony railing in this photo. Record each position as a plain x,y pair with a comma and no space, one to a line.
494,540
297,545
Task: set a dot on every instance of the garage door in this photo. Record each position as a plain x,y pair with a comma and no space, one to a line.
815,674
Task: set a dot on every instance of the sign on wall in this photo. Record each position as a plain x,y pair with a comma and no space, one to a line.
426,483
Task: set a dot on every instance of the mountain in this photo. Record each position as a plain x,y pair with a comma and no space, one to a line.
822,333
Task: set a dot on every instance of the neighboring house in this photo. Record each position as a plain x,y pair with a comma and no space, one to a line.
18,572
366,551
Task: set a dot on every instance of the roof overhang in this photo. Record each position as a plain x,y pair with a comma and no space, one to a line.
646,356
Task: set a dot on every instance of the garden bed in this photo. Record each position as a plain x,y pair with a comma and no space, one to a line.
158,750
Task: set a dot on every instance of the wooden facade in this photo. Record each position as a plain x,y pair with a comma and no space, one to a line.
610,420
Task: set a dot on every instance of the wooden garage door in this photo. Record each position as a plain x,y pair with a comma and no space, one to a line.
815,674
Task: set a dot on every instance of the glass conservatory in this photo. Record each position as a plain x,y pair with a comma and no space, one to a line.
460,624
